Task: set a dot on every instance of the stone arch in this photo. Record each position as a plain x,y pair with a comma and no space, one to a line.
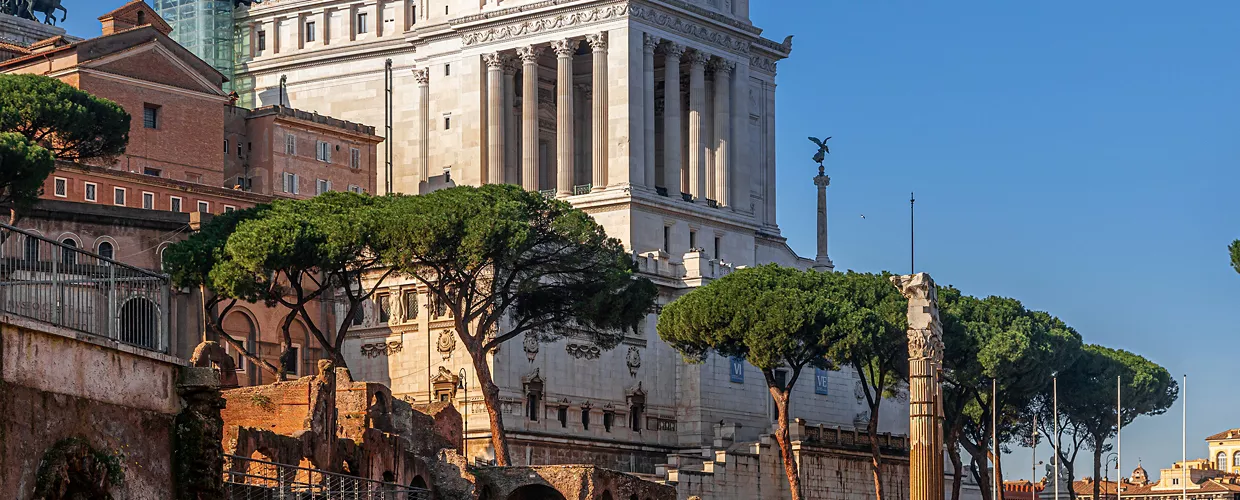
138,320
536,492
211,353
419,482
99,246
607,495
70,247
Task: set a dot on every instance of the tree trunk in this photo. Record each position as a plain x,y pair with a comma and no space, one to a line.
876,457
784,439
1097,468
957,472
490,396
981,464
286,344
997,458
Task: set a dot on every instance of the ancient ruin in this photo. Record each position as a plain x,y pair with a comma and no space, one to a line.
925,361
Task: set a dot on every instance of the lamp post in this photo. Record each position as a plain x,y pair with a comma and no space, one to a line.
283,89
464,411
1111,457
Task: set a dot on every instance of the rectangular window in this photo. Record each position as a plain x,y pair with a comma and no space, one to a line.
609,419
229,208
309,31
194,178
118,196
354,188
290,144
562,416
238,150
447,123
292,365
692,240
148,200
174,203
447,68
322,186
291,182
61,187
204,207
150,116
667,239
225,146
238,358
262,41
91,191
385,307
355,158
716,254
153,172
361,22
324,151
411,305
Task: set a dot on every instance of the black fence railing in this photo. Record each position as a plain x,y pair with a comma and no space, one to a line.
252,479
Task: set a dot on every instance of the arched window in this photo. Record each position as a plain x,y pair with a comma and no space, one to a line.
141,18
68,256
106,250
1235,459
32,249
418,482
1221,460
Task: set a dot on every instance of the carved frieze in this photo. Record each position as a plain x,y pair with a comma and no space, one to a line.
689,28
585,351
377,349
552,22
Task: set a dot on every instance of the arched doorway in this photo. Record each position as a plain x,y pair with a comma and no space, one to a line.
418,482
139,323
240,327
535,492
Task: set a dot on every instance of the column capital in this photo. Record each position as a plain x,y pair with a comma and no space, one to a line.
530,54
597,41
650,42
494,60
722,66
673,49
698,58
564,48
822,181
422,76
511,66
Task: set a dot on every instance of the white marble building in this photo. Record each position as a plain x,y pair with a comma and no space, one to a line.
569,97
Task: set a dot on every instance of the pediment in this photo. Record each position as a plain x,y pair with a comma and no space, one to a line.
153,62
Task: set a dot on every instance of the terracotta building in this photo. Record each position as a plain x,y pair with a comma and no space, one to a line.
191,152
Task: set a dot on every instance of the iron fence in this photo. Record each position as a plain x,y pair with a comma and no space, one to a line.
252,479
59,283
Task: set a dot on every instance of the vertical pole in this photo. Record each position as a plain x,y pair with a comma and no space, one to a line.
1119,429
387,126
912,269
994,436
1184,442
1033,476
1055,409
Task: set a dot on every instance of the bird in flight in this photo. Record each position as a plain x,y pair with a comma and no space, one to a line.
862,216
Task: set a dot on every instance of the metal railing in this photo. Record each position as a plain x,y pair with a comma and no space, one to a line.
581,189
252,479
61,284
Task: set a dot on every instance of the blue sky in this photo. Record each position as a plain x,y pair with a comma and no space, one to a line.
1079,156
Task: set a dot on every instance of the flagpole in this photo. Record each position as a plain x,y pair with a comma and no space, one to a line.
1184,442
994,435
1119,429
1055,382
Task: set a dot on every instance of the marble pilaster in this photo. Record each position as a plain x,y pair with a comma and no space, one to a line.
721,188
511,133
423,123
648,45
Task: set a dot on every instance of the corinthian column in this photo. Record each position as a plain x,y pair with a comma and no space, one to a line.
422,76
671,118
822,262
723,132
495,118
598,46
564,50
925,359
510,123
529,116
697,112
648,45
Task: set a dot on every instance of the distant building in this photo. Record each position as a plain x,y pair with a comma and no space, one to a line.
205,28
1225,450
1197,479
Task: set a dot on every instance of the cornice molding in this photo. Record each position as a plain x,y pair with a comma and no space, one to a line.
548,22
680,25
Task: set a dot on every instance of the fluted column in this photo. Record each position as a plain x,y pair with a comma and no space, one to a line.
511,138
925,360
697,112
495,118
564,50
722,186
671,118
422,76
598,47
648,45
529,116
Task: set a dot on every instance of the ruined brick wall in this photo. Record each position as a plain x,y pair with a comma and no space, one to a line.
435,426
280,407
57,385
575,482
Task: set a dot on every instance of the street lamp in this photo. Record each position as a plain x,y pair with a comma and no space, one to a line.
1112,457
464,411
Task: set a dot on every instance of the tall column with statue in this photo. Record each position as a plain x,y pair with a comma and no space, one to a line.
925,360
822,262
